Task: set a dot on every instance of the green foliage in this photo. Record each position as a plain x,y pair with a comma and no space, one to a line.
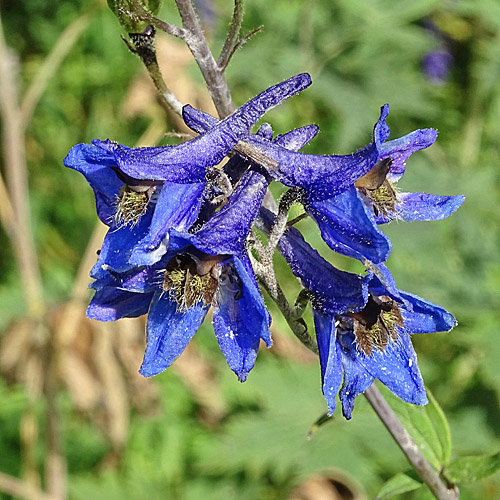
397,485
471,469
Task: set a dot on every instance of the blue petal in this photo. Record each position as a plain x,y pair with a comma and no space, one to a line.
94,164
296,139
320,175
396,367
348,227
138,280
240,321
329,356
336,291
187,162
381,282
168,332
424,316
117,247
412,207
399,150
356,380
177,208
110,304
227,230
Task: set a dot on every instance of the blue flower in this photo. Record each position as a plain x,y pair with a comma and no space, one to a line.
143,193
208,267
363,325
374,343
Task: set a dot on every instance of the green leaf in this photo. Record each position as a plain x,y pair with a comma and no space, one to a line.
428,427
470,469
440,423
398,484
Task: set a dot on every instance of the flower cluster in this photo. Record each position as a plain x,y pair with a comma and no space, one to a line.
179,238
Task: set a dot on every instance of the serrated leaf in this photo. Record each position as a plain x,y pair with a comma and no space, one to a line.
470,469
428,427
398,484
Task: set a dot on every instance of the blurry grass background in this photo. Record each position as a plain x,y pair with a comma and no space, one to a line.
72,400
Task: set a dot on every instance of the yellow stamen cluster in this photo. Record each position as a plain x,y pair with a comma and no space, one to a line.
187,287
130,206
381,332
383,198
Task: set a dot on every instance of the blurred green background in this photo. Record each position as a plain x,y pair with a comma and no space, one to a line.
72,399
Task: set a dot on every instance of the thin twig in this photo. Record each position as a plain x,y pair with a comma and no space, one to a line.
232,35
197,44
408,446
240,43
267,279
143,45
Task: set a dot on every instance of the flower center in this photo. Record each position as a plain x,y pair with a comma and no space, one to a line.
376,325
190,282
378,189
131,205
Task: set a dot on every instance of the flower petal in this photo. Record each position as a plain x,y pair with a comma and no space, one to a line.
187,162
399,150
329,356
168,332
240,321
348,227
110,303
424,316
226,231
396,367
336,291
117,247
177,208
95,164
412,207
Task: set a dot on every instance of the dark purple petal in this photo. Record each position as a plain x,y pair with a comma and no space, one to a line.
138,280
168,332
177,208
412,207
110,304
348,227
187,162
381,282
335,291
436,65
296,139
322,176
227,230
424,316
329,356
399,150
240,321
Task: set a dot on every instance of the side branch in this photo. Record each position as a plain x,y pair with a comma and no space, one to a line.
232,36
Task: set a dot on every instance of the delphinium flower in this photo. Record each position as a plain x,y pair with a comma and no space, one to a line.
209,267
362,328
